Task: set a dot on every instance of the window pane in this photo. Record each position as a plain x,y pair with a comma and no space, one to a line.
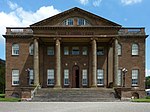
84,77
100,77
50,77
15,49
66,51
66,77
119,80
50,50
15,77
100,51
84,51
119,49
75,51
31,49
31,78
135,74
135,49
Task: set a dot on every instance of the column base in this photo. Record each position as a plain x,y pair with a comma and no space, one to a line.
94,86
57,87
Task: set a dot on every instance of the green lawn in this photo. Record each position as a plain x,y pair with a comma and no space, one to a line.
141,100
3,99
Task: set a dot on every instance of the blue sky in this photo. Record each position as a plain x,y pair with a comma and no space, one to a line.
128,13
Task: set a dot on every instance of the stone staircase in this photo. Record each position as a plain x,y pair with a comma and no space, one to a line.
75,95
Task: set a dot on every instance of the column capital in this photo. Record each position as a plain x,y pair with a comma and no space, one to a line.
94,38
57,38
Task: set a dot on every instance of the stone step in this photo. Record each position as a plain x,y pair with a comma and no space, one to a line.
80,95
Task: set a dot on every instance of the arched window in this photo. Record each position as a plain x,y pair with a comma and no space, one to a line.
135,49
31,49
15,49
119,49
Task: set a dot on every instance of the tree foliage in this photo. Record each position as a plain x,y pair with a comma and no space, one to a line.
147,82
2,76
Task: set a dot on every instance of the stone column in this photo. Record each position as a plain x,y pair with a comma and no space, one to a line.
36,62
94,63
115,62
58,64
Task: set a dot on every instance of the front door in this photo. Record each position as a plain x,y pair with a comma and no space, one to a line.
76,77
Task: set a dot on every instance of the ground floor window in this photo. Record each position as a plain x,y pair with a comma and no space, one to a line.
15,77
119,78
50,77
135,74
66,77
84,77
100,77
31,78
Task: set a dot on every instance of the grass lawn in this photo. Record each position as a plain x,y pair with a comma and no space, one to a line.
3,99
141,100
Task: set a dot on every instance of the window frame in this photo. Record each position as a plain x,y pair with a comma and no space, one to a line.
15,77
75,51
100,73
31,50
50,76
15,49
135,49
66,51
66,77
84,77
100,51
119,47
84,50
31,77
50,51
119,83
135,78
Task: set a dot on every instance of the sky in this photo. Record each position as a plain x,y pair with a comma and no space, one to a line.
128,13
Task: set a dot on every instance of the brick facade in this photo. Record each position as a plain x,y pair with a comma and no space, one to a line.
103,31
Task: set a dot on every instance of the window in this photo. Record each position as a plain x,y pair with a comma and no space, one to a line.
84,51
31,78
84,77
66,77
31,49
50,50
100,51
15,49
75,51
135,49
66,51
15,77
119,80
68,21
100,77
119,49
82,21
50,77
135,74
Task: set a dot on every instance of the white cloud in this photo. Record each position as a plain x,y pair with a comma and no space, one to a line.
20,17
96,3
129,2
84,2
147,72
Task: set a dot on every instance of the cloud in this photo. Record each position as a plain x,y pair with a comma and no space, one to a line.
96,3
130,2
147,72
84,2
20,17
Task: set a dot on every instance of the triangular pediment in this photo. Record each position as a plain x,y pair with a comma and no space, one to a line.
57,20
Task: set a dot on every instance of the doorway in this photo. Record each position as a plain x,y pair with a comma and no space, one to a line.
76,77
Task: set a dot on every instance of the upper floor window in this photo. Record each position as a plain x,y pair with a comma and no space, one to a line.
135,49
50,50
69,21
15,77
75,51
100,51
15,49
66,50
84,50
135,75
119,49
31,49
82,21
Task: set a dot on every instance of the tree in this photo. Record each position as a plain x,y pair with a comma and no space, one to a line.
2,76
